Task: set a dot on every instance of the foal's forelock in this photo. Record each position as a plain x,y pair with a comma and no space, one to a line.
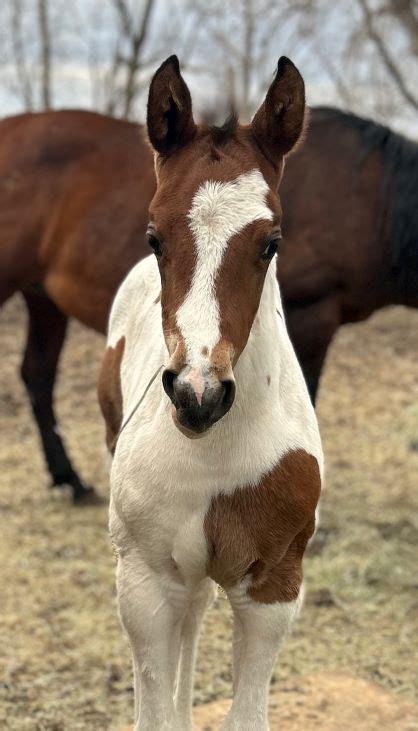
218,212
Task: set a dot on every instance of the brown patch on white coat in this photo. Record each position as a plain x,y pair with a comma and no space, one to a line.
261,531
109,392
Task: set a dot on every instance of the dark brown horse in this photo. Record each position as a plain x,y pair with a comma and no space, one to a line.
350,201
74,194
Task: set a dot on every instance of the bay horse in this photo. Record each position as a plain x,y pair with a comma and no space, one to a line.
74,194
217,464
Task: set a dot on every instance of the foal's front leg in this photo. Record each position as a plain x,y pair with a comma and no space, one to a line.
203,597
153,623
259,632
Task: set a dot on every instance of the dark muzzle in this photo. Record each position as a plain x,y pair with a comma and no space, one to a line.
215,401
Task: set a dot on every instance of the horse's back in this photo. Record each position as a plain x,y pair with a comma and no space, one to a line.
335,261
75,192
331,193
55,138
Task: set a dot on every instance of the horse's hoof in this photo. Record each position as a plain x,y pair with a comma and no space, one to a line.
87,496
70,486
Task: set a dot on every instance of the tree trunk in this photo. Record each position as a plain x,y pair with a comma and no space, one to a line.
45,39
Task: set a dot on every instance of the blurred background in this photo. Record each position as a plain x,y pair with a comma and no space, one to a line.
100,55
64,663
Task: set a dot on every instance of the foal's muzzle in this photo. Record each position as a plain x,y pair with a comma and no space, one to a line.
197,411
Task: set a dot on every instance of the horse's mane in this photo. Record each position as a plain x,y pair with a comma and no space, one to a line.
399,199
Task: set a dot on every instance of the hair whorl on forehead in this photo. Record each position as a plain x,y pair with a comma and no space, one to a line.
221,135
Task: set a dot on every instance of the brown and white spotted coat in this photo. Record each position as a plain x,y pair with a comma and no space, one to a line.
217,475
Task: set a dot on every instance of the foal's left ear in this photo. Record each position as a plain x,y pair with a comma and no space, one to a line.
278,123
169,112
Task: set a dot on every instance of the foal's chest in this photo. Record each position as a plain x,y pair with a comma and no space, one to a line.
194,516
162,505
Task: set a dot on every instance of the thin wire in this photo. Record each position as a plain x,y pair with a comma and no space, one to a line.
135,409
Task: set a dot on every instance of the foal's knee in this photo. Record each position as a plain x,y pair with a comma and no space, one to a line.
144,606
269,622
204,597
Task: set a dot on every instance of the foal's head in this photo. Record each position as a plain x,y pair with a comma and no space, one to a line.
214,227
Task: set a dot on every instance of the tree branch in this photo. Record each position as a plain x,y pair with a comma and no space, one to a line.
389,63
137,40
25,86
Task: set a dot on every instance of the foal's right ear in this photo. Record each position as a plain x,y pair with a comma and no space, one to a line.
169,112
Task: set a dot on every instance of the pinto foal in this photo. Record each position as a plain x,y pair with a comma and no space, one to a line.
235,507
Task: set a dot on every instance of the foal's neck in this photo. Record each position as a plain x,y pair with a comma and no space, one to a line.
261,361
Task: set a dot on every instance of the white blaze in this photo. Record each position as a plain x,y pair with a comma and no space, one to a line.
219,211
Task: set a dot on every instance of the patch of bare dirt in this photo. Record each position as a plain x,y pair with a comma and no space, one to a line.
323,702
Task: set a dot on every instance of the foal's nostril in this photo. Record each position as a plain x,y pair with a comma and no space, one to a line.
193,412
168,379
217,401
229,394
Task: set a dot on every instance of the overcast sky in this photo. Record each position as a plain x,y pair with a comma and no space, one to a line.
84,38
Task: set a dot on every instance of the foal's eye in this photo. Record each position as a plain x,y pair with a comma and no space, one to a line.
154,241
272,246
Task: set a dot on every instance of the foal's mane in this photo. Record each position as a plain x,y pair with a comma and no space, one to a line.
220,135
399,190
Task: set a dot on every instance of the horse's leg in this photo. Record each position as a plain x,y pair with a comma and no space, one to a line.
152,615
189,638
311,327
6,291
237,640
46,335
262,629
312,365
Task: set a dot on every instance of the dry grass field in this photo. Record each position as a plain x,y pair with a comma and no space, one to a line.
64,663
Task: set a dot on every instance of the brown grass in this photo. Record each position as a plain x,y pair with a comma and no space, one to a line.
64,663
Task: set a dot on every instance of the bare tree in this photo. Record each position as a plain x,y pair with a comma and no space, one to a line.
24,85
29,52
368,50
363,54
403,11
139,45
43,34
45,44
121,79
243,37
